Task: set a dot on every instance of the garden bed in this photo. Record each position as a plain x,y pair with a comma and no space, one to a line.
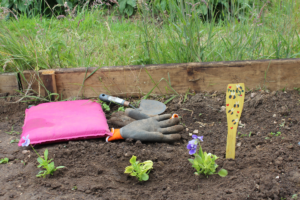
266,166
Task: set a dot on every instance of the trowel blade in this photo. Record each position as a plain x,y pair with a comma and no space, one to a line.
152,107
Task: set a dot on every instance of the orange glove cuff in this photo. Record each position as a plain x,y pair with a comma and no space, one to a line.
116,135
174,116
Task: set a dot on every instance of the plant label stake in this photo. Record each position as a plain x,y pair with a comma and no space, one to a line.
234,105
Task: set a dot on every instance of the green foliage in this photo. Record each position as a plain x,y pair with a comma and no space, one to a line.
178,37
276,134
14,141
127,6
12,131
121,109
139,170
47,165
4,160
204,163
105,107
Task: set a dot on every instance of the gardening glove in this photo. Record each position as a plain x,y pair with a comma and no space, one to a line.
162,128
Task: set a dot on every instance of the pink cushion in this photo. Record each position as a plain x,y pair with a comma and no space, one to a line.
62,121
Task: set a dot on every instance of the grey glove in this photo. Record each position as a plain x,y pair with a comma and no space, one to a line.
153,129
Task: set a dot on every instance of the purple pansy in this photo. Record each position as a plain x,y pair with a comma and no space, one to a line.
27,141
192,146
198,137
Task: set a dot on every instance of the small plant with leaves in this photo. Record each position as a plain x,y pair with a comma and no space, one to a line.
12,131
121,109
4,160
276,134
14,141
204,163
45,163
139,170
105,107
295,196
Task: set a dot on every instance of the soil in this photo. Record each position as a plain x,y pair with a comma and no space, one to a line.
266,166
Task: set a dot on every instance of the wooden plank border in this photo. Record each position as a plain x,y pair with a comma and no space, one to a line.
9,83
127,81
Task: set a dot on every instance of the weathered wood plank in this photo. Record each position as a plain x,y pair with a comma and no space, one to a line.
213,76
9,83
48,79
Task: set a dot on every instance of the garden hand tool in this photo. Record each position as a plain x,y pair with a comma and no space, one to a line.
149,107
162,128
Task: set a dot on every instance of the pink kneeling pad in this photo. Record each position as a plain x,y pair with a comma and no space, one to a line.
63,121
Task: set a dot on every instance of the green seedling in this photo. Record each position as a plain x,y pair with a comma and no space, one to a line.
23,162
139,170
204,163
297,89
295,196
121,109
4,160
276,134
250,134
272,133
282,124
12,131
46,164
74,187
267,138
14,141
200,114
105,107
244,135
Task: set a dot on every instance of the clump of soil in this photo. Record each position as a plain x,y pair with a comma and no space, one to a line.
266,166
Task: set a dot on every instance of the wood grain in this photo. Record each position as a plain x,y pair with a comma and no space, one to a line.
125,81
9,83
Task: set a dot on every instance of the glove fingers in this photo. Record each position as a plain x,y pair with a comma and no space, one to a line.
119,119
163,117
172,129
135,114
155,137
169,122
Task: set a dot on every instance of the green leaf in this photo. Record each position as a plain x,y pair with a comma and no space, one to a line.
147,165
129,10
128,170
40,160
133,160
122,5
163,5
46,154
131,3
198,159
59,167
6,3
4,160
223,172
145,177
191,161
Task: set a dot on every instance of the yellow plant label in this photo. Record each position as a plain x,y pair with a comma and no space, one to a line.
235,95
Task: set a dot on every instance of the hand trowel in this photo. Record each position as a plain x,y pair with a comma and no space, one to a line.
149,107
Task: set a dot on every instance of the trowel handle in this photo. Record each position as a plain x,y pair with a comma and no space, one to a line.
107,98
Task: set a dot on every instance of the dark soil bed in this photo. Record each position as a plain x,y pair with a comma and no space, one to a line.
266,166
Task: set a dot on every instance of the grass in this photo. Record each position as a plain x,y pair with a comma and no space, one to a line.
95,38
